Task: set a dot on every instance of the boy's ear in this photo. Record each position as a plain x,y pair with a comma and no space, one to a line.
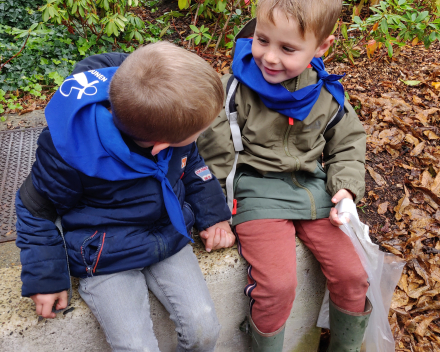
158,147
328,42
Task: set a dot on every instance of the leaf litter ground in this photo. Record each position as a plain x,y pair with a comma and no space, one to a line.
397,101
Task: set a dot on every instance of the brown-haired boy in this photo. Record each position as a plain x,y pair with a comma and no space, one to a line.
289,113
119,165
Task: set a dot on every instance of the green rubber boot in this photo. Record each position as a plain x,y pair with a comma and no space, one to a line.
270,342
347,329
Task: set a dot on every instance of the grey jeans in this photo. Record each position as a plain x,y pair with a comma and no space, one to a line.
120,303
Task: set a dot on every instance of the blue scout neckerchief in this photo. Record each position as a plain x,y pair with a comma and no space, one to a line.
296,104
85,136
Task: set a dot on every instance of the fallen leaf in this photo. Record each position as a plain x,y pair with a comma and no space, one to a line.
411,139
423,325
411,83
399,299
431,135
376,176
416,293
417,100
436,85
418,149
383,208
391,249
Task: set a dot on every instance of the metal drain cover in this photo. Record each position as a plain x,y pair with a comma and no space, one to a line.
17,154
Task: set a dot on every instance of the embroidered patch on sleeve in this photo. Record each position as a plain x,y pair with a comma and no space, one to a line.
204,173
183,162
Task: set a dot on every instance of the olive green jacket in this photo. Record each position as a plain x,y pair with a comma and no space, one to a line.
279,172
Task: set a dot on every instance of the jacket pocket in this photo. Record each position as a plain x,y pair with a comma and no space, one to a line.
91,250
188,215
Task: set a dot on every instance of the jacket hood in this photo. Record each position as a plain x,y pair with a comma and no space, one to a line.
85,136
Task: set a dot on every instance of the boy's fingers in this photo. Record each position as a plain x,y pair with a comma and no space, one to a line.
62,301
38,309
217,238
208,244
47,311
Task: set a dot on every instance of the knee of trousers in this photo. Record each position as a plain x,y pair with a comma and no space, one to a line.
201,331
350,283
275,295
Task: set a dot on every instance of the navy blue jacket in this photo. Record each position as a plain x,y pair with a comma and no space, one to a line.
109,226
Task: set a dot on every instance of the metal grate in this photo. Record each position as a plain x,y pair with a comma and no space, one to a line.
17,154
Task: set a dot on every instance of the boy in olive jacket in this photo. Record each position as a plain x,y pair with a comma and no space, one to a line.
290,112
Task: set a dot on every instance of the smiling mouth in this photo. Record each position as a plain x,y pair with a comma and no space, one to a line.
271,72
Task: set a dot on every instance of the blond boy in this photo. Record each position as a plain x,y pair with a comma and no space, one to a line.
290,113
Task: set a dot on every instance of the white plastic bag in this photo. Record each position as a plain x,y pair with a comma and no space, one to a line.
384,271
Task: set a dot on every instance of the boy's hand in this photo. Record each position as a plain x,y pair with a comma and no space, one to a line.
45,302
341,194
217,236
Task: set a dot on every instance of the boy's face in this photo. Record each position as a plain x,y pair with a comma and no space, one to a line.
279,50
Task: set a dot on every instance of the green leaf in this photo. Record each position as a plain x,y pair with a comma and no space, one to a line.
238,12
194,28
191,36
198,39
344,31
183,4
411,83
164,31
384,26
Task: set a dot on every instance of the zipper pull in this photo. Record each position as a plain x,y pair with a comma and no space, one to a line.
89,271
291,121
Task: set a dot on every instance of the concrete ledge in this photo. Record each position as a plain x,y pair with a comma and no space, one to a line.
21,330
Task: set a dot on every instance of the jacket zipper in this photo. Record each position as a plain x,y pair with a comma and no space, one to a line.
90,269
286,147
312,199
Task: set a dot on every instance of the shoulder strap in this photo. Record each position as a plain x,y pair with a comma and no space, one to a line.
335,119
232,115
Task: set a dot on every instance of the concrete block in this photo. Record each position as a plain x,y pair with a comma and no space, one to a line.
21,330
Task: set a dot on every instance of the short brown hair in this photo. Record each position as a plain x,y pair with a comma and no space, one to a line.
163,93
317,16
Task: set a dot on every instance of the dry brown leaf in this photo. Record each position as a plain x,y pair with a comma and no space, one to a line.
435,186
376,176
383,208
403,283
417,100
411,139
418,149
426,179
416,293
400,299
391,249
435,272
435,305
420,270
401,205
423,325
431,135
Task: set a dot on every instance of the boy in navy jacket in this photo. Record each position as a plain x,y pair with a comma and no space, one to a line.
119,166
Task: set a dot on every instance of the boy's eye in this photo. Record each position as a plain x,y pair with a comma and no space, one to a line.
262,41
287,49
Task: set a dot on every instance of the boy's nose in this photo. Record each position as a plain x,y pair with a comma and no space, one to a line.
271,57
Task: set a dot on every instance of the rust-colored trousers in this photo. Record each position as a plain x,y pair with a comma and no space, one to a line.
269,248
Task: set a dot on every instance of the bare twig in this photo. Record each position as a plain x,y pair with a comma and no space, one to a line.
213,33
18,52
174,25
225,26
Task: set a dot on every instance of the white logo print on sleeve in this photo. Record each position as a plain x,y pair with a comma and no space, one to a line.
81,84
